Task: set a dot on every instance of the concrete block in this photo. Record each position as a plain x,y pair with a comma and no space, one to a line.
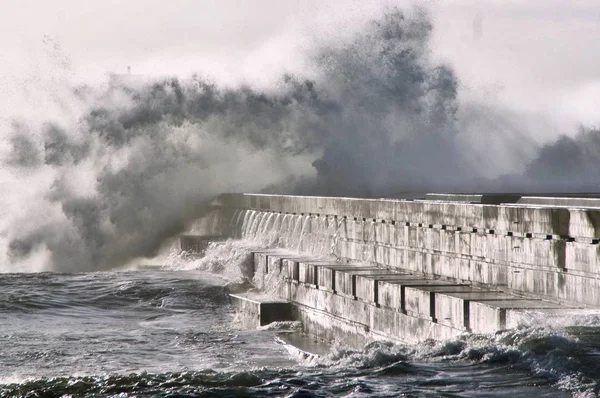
418,303
499,248
259,310
291,267
366,285
400,257
384,322
393,261
551,284
422,300
411,260
453,308
490,316
345,282
391,292
326,273
307,273
326,278
478,245
544,316
434,238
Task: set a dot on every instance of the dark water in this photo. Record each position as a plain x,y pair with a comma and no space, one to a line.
172,333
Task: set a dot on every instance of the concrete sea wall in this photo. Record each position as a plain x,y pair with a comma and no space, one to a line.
413,269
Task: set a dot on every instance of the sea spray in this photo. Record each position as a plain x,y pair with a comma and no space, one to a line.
231,259
128,165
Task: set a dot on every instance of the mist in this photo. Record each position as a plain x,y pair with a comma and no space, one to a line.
97,172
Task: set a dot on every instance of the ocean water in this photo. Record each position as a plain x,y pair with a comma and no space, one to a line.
171,332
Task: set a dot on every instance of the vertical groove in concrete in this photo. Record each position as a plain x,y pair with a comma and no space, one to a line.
502,321
402,300
432,307
467,315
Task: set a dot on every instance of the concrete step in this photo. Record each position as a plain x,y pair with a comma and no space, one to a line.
257,310
491,315
456,305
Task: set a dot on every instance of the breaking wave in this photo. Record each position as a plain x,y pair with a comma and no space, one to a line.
566,359
533,358
559,352
127,164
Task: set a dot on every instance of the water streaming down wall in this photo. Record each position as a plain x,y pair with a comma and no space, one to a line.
316,235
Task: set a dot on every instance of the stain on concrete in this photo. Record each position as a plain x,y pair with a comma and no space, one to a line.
560,253
490,216
560,282
593,217
560,219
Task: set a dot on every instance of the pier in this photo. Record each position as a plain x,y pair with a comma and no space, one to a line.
409,270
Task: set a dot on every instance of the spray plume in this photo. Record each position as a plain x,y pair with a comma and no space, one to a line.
134,161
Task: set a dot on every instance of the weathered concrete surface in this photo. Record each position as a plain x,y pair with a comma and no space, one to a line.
380,304
415,269
535,250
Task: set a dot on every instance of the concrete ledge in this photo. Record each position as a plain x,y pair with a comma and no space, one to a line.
345,279
444,197
327,275
490,316
556,201
453,308
401,306
291,266
259,310
351,293
367,286
392,293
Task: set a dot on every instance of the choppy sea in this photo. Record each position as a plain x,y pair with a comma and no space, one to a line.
171,332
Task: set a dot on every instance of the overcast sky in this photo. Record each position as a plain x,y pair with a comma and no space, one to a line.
541,57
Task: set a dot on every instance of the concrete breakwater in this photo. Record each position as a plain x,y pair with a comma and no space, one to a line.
415,269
